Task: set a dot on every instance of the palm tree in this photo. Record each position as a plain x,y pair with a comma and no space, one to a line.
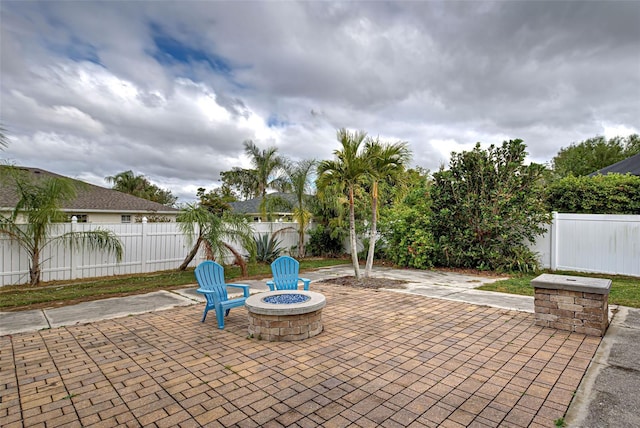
39,202
387,161
215,232
267,164
128,182
348,169
299,178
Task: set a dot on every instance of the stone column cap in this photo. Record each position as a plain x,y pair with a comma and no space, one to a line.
572,283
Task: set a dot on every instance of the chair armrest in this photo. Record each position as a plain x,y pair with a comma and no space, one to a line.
245,288
271,285
305,283
203,291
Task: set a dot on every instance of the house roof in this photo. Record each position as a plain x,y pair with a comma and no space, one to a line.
630,165
89,198
252,206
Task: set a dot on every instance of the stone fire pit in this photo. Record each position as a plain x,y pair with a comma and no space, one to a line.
285,315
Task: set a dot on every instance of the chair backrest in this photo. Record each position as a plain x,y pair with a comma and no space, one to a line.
210,276
285,273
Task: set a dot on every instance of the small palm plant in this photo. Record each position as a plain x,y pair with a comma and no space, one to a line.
216,234
39,204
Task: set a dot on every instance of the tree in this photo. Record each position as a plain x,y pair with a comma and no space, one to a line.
486,206
386,162
217,200
39,203
242,180
138,185
594,154
347,170
265,174
215,233
299,179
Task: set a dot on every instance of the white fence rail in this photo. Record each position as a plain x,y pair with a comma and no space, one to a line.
598,243
148,247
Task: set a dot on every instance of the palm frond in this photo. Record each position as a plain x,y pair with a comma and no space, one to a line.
95,240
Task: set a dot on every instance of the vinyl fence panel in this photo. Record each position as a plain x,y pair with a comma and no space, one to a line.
148,247
598,243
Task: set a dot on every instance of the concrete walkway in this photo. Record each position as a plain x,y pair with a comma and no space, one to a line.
513,361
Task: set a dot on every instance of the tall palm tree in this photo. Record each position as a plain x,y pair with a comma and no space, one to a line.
348,170
299,178
215,233
267,164
266,168
39,202
386,162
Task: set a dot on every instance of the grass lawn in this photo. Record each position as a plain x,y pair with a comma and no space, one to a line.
22,297
625,290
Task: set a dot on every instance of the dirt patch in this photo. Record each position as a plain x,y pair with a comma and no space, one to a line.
372,283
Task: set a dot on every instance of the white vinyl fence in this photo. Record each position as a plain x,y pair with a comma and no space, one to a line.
148,247
598,243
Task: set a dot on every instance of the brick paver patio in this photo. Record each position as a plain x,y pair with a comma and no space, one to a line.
384,359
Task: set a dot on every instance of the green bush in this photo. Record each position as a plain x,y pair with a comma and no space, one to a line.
600,194
406,231
323,244
486,206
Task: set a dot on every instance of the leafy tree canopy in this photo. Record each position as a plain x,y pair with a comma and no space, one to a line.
594,154
217,200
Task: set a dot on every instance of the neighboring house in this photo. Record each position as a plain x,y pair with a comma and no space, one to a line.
278,209
630,165
94,204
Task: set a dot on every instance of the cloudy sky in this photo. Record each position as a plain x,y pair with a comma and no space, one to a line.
171,89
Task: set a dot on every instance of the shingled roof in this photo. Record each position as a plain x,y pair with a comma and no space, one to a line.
630,165
252,206
89,197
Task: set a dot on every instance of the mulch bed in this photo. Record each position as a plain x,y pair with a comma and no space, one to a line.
372,283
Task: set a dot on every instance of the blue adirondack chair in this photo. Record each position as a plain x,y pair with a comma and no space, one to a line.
210,276
285,275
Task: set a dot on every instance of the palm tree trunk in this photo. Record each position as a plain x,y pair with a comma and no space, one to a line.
301,241
238,259
352,235
191,254
374,231
34,270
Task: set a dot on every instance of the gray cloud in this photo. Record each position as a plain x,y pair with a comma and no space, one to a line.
171,89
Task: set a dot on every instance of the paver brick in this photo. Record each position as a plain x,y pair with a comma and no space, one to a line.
395,360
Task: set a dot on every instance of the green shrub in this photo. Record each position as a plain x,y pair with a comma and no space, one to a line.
406,230
323,244
268,248
600,194
486,206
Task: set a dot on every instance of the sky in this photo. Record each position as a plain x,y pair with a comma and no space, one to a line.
171,89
